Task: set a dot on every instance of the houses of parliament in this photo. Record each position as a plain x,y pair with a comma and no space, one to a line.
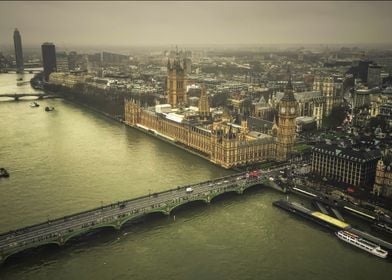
210,135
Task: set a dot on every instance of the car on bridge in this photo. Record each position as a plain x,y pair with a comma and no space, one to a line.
188,190
253,174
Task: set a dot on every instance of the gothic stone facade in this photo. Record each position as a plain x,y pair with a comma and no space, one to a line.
383,182
223,144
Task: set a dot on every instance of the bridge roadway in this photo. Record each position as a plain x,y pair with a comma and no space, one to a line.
59,231
17,96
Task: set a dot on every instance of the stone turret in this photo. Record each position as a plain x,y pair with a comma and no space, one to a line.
176,82
204,106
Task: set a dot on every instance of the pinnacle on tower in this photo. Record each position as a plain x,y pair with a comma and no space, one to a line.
203,89
288,92
289,85
168,63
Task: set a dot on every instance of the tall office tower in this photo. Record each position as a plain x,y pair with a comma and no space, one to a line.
18,51
49,59
363,66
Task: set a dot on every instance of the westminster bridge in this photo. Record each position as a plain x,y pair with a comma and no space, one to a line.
59,231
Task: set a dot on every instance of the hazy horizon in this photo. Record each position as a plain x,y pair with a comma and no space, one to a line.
137,24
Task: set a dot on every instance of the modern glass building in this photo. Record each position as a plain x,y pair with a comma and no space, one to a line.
49,59
18,51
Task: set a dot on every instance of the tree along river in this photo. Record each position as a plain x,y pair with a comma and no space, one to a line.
73,159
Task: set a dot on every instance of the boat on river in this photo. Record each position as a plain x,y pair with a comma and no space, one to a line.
361,243
4,173
34,104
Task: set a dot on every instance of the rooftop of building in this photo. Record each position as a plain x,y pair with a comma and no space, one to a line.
300,96
388,90
305,119
259,124
259,135
184,116
348,153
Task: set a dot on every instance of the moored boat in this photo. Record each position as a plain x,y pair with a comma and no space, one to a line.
361,243
383,227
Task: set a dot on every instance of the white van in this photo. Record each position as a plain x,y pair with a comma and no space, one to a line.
189,190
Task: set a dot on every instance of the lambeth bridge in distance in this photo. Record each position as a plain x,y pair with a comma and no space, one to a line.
59,231
39,95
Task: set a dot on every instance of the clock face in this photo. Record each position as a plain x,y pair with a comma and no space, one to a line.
292,110
283,110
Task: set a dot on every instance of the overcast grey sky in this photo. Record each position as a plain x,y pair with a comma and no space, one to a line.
168,23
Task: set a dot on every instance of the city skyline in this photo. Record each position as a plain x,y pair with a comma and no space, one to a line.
188,23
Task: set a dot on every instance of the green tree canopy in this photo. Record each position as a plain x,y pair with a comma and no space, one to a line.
219,100
377,122
335,117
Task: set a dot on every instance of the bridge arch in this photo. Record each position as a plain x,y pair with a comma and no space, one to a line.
84,231
186,202
6,256
253,186
141,215
220,194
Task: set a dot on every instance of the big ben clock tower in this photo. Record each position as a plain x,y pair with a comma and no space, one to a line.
288,111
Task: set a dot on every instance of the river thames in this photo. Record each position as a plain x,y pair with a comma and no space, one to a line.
73,159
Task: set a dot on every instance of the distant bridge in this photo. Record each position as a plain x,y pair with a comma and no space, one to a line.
25,71
59,231
39,95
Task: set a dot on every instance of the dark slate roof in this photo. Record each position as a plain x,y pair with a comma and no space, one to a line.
302,96
347,153
259,124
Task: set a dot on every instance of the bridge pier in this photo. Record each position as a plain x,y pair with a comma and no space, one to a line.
61,240
118,224
241,189
16,98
